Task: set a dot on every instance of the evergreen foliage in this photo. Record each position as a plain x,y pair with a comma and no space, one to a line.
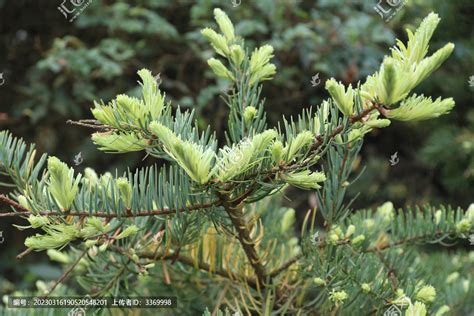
213,215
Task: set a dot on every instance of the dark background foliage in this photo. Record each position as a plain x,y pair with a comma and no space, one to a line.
54,69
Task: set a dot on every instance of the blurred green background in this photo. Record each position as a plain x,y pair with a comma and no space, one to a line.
53,69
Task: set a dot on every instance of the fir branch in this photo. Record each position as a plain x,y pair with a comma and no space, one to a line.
320,140
401,242
205,267
191,184
6,200
238,221
356,281
391,272
114,279
353,119
66,273
90,123
23,254
155,256
25,212
286,265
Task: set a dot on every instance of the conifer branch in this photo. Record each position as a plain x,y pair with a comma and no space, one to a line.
25,212
90,124
8,201
340,128
318,143
285,265
425,237
114,279
155,256
243,235
202,266
437,235
255,163
66,273
391,271
23,254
